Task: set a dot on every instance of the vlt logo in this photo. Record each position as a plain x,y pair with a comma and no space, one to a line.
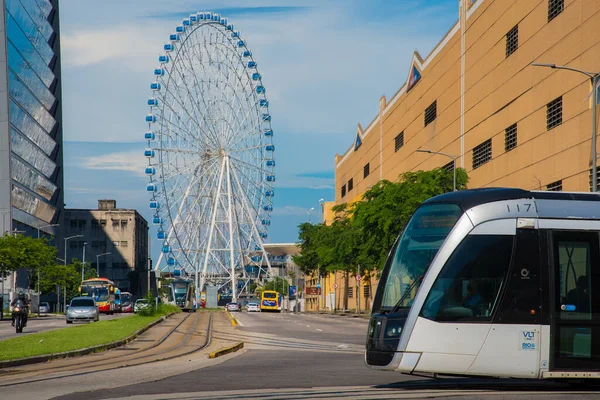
528,340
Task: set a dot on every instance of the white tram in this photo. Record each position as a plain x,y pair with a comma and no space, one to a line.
181,294
493,282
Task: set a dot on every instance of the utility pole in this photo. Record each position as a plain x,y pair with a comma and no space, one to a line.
358,289
83,263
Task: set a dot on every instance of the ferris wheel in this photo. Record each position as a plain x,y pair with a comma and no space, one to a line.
210,156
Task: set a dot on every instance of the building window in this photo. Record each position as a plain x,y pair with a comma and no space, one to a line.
449,167
366,170
350,184
367,291
124,224
555,186
512,40
555,7
431,113
115,224
343,191
510,137
103,223
399,141
116,244
123,243
82,224
350,292
482,153
554,113
73,224
468,285
597,179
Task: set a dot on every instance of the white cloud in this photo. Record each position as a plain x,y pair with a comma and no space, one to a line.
130,46
131,161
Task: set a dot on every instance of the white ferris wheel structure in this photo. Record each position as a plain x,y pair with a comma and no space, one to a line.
210,156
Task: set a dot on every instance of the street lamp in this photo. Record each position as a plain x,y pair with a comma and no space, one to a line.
66,239
309,212
98,262
453,164
83,262
595,79
38,270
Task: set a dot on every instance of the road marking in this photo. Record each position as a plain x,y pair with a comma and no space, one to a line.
320,330
308,326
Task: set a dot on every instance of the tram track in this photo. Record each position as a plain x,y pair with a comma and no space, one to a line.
296,344
164,350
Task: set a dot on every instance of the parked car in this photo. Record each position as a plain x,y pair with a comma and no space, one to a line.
82,309
44,307
253,307
232,307
140,304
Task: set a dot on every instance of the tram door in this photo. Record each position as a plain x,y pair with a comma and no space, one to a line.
576,320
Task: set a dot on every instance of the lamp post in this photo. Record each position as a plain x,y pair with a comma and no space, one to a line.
38,270
595,79
83,262
309,212
453,164
67,239
98,262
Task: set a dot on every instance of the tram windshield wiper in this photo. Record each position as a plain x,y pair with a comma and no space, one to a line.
407,293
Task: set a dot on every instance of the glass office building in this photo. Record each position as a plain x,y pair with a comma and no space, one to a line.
31,195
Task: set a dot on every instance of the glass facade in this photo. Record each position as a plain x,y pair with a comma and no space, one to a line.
34,129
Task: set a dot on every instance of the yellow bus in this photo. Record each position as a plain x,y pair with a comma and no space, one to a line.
270,300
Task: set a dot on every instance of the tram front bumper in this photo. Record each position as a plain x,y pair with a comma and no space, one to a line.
383,339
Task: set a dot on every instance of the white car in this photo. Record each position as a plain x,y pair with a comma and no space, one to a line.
44,307
140,304
253,307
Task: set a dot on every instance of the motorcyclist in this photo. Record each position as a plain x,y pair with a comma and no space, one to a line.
22,299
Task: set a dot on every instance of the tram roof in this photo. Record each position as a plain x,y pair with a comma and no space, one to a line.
467,199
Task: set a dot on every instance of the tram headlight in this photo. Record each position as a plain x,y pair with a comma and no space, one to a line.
393,329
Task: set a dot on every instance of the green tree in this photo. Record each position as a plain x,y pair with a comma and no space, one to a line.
362,234
24,252
278,284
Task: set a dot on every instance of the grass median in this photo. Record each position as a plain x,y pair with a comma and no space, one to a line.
80,336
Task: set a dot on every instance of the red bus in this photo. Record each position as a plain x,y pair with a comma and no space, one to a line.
102,290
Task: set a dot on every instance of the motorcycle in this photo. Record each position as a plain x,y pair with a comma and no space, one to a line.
19,314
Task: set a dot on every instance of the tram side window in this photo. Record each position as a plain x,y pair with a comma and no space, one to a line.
468,287
575,267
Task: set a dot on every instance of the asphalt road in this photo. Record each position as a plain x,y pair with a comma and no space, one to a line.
42,324
285,356
314,356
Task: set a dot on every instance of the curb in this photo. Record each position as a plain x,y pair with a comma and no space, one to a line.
233,320
226,350
80,352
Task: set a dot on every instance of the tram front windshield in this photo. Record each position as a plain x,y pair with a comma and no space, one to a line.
180,291
413,253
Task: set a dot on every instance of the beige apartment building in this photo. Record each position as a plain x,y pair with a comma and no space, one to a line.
477,97
123,233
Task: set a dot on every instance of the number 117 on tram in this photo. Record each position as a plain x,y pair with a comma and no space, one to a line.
493,282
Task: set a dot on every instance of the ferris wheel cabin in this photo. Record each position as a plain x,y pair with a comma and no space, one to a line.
493,282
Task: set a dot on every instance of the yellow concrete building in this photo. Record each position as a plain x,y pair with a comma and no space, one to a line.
477,97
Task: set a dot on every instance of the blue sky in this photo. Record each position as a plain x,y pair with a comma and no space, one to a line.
325,65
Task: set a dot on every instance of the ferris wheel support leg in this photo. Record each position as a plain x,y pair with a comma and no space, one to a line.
258,238
230,222
211,231
177,220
